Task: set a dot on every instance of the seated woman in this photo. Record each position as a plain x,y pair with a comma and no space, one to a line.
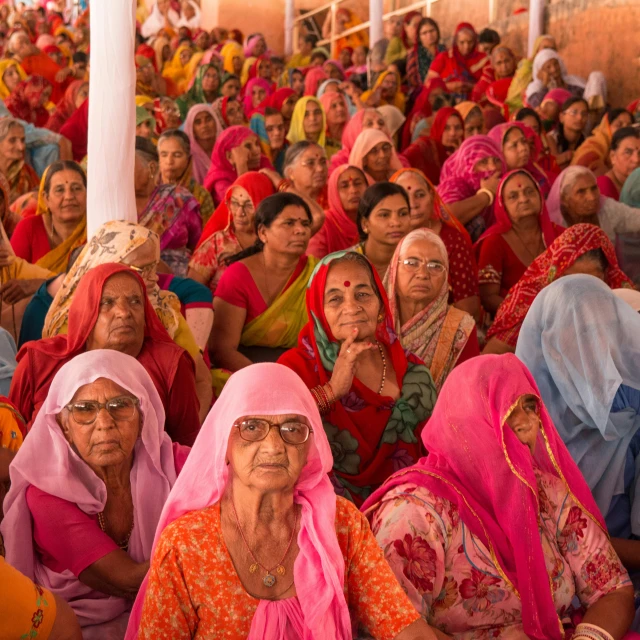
200,126
204,90
567,135
306,170
386,90
575,198
60,224
259,302
27,101
347,185
522,231
111,497
167,114
13,166
476,564
383,220
469,181
418,290
549,72
594,152
11,75
597,409
76,93
373,397
336,111
624,157
255,92
110,311
427,46
237,151
327,562
374,154
176,168
581,249
229,112
473,118
428,210
493,87
308,122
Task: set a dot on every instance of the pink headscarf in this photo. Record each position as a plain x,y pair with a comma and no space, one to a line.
201,160
476,462
312,80
249,109
47,462
365,142
320,610
327,98
251,43
222,173
558,95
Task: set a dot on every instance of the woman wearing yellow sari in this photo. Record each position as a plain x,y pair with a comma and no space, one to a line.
259,306
11,75
176,69
386,90
232,57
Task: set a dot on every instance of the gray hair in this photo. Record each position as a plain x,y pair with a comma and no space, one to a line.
176,134
6,124
295,151
571,174
14,38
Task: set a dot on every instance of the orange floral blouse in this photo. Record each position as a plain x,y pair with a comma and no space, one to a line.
194,591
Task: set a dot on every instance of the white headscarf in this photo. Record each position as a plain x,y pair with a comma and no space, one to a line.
539,61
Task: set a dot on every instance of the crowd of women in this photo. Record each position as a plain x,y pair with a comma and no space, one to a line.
367,365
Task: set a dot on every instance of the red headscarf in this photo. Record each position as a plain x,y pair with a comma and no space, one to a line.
548,267
408,17
276,100
312,80
148,52
421,108
440,122
66,107
24,101
453,66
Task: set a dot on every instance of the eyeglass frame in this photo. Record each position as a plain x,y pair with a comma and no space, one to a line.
103,405
425,263
145,269
242,207
237,425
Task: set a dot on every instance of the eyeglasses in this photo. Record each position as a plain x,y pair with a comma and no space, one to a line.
311,164
145,270
577,112
385,148
120,408
414,265
246,207
256,429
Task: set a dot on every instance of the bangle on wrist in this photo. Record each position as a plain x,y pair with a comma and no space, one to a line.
488,193
586,631
283,185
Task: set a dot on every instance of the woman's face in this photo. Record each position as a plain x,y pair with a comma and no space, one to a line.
288,106
11,77
575,117
312,122
173,160
230,89
411,28
144,261
333,71
235,113
420,198
474,124
389,86
185,56
171,113
421,272
551,68
204,127
289,233
310,171
389,221
145,72
259,48
623,120
120,323
428,35
453,133
504,64
626,158
210,80
490,164
265,70
270,465
242,210
83,94
587,266
13,147
521,197
252,145
258,94
338,110
359,56
276,130
237,65
345,58
373,120
351,188
67,197
378,160
582,199
516,149
351,302
532,123
297,82
108,441
524,420
465,41
36,99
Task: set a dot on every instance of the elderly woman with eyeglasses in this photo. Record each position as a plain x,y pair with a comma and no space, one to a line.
306,167
88,539
418,289
278,555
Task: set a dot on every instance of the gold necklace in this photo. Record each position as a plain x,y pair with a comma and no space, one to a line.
124,545
384,367
524,245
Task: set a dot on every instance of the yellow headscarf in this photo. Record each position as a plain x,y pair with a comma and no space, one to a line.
466,107
296,129
4,65
229,51
141,101
248,63
398,100
175,70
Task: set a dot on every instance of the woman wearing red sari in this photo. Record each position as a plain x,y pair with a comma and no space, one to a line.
74,96
460,67
27,101
373,419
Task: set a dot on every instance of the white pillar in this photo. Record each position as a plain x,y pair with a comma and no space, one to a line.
289,14
375,21
536,22
112,119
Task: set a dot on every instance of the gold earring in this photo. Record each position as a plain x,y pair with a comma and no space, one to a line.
380,317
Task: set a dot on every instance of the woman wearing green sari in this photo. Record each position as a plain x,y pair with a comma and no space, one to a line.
204,90
259,305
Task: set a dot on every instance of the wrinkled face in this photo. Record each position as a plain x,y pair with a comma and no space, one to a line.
378,160
235,113
420,198
67,197
373,120
210,80
270,465
504,64
289,233
13,146
338,110
297,83
276,130
351,187
171,113
465,40
204,127
474,123
428,35
524,421
453,133
83,94
242,210
310,171
626,158
145,72
521,197
312,122
575,117
587,266
230,89
389,221
488,164
516,149
351,302
144,260
288,106
421,272
623,120
389,86
120,323
107,441
552,69
258,94
173,159
11,77
582,199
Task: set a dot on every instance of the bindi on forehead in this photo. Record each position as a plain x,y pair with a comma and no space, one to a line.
347,284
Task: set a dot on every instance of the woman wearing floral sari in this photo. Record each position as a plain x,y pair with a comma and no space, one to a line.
373,398
204,90
27,101
13,166
495,532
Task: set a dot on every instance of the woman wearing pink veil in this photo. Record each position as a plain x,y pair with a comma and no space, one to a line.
279,556
495,532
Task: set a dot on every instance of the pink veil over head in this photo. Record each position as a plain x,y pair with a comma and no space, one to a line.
271,389
201,159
